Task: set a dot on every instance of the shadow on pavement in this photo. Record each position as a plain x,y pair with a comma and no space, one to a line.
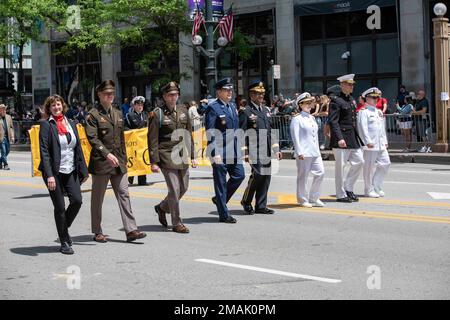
33,196
35,251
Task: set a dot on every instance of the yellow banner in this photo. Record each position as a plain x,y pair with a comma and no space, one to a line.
138,162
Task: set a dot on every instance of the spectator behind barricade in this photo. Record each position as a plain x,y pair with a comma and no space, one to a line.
38,115
6,136
321,119
137,118
203,106
241,106
125,107
80,117
284,116
422,121
401,96
361,104
382,103
405,121
194,116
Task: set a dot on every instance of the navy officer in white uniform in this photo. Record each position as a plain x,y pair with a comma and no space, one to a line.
305,135
372,130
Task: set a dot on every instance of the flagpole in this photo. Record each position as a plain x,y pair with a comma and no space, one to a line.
211,65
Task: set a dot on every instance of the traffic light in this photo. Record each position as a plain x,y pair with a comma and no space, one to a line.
10,81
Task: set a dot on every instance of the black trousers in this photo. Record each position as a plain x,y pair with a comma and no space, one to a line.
65,217
258,184
142,180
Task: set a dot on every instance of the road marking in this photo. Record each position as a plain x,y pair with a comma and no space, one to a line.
439,196
271,271
290,206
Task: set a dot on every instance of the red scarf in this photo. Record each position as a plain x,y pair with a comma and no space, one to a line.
62,130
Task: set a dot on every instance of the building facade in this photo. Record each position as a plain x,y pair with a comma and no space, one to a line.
309,39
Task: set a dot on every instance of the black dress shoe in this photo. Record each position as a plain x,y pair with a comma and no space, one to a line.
265,211
161,215
345,200
70,242
214,200
230,219
248,208
66,248
352,196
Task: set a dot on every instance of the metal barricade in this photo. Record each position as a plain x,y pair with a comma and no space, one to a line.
419,127
21,131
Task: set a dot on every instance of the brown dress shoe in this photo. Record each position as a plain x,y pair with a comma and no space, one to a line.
134,235
181,228
100,238
161,215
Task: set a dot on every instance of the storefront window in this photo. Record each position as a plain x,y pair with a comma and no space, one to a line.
387,55
361,57
313,53
336,25
335,64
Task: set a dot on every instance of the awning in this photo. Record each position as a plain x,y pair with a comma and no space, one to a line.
329,7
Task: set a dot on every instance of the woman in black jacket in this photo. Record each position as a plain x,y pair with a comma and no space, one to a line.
62,165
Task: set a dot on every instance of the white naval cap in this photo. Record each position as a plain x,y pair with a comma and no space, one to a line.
304,97
138,99
372,92
347,78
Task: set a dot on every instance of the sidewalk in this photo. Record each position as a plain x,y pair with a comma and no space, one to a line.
396,156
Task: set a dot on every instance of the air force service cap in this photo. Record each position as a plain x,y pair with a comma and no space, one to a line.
226,83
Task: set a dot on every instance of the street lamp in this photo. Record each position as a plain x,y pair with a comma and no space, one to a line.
440,9
210,53
441,39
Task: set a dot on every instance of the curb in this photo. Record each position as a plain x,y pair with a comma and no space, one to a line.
433,158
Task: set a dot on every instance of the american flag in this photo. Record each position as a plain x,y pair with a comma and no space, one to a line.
226,25
199,20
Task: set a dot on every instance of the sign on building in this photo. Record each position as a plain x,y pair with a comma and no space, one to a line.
276,71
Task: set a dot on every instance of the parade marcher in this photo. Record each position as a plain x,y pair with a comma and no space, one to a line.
163,140
222,116
105,132
136,118
372,130
256,120
305,135
345,141
62,166
6,136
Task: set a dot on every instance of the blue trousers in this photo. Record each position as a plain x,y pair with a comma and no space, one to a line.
225,189
4,151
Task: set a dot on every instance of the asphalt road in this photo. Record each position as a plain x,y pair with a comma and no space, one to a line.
391,248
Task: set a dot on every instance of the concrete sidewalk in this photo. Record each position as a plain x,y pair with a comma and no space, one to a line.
396,156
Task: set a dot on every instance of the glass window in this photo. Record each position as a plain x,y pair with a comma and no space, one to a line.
311,28
264,28
335,64
361,85
358,23
387,55
361,57
313,87
388,20
246,25
336,25
313,61
389,87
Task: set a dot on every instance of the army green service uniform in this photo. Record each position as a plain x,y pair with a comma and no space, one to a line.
104,130
171,154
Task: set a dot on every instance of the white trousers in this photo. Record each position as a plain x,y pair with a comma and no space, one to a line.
376,166
356,160
313,165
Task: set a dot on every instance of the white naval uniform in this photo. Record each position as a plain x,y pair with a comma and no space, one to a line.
372,130
304,133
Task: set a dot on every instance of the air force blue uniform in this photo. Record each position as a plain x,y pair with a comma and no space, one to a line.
224,142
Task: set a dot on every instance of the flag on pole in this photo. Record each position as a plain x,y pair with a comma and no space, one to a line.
226,25
199,20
